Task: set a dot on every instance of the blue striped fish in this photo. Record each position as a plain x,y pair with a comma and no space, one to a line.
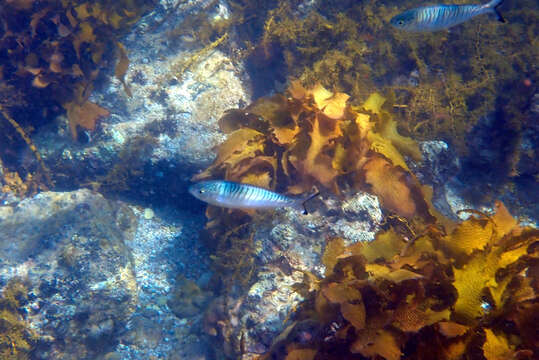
439,17
244,196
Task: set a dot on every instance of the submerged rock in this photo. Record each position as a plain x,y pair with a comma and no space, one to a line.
287,245
71,248
98,274
439,163
152,142
438,167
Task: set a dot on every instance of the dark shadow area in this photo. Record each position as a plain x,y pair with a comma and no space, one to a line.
265,63
487,166
266,67
501,162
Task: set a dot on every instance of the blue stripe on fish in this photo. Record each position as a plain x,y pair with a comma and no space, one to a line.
244,196
439,17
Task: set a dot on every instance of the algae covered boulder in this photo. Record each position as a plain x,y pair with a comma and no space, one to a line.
70,249
85,277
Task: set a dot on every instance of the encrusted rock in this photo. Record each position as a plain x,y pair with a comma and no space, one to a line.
438,165
167,130
99,274
70,247
289,245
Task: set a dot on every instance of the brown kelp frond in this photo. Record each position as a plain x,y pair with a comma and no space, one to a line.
83,115
63,48
311,136
472,291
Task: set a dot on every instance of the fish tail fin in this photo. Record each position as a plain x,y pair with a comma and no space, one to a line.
301,202
493,6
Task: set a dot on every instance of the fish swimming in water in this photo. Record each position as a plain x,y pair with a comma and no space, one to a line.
244,196
439,17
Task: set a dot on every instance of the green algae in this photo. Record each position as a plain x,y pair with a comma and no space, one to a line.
130,166
16,337
460,72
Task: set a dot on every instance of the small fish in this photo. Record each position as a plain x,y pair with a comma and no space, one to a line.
439,17
244,196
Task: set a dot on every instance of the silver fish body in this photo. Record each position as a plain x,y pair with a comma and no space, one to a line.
439,17
242,196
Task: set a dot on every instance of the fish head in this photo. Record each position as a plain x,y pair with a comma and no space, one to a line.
206,191
405,21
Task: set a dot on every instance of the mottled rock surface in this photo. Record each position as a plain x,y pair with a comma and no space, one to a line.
437,169
99,273
107,278
112,280
71,248
287,244
166,132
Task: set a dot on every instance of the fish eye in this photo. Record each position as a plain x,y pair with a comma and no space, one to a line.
201,191
400,22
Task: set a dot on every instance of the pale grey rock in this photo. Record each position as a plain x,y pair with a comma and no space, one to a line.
99,274
165,132
267,304
288,243
70,248
439,163
438,167
161,248
362,215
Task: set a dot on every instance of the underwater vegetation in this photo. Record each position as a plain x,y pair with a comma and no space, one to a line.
51,53
305,138
459,74
438,85
312,137
16,336
291,142
467,292
424,284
